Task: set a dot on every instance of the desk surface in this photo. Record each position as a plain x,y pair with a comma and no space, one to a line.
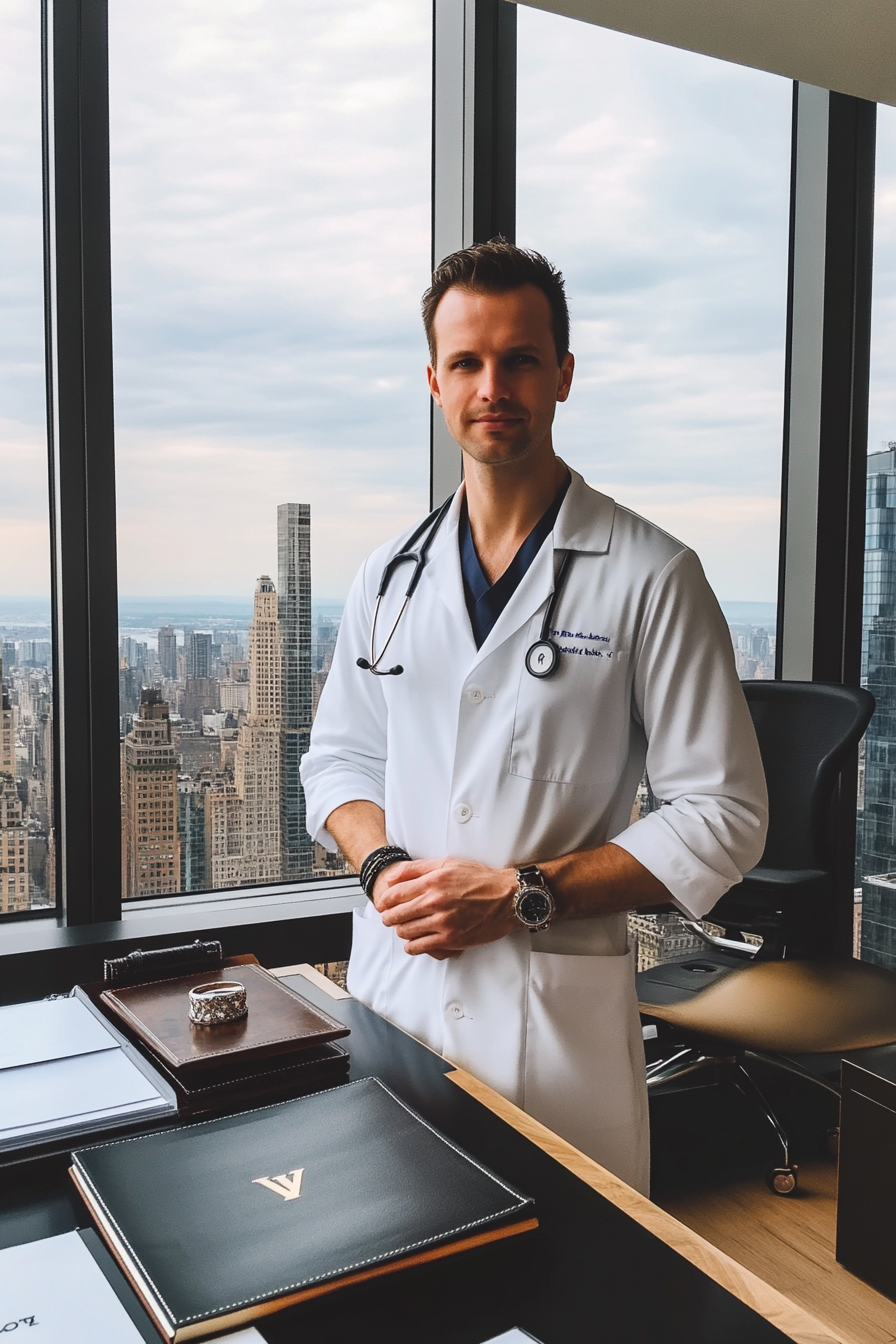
605,1264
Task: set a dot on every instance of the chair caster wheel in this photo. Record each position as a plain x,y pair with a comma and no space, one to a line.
782,1180
832,1143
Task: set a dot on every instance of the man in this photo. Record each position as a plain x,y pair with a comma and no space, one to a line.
466,764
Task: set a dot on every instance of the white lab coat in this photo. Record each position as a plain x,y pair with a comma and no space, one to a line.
471,756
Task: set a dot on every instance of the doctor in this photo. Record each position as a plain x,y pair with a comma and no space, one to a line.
487,808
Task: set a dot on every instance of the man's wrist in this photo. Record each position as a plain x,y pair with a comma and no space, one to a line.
376,863
534,905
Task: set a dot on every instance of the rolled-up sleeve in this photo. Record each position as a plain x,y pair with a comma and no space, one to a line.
346,761
703,759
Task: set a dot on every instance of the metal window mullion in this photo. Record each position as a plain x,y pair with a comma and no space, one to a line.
474,156
82,467
826,424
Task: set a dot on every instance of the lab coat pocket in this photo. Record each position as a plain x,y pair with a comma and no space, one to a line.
584,1058
369,965
559,725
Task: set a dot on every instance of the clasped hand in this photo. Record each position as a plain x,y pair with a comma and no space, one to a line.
443,906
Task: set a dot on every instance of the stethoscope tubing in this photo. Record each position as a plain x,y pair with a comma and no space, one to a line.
418,558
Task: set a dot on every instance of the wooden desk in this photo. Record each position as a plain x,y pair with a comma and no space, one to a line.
605,1264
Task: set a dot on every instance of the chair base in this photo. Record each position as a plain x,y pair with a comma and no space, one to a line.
731,1068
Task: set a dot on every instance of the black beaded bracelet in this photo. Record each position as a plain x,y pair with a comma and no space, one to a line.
377,861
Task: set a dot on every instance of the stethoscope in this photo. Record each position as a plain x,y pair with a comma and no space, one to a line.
542,657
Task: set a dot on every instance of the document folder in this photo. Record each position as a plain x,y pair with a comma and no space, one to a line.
221,1222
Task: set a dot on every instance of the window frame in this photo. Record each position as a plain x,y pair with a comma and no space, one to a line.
473,198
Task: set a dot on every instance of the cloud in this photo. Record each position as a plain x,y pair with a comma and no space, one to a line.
270,211
659,182
882,400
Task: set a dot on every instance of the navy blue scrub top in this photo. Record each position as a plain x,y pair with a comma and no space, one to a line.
486,602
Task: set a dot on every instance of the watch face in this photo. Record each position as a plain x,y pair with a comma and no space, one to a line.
534,906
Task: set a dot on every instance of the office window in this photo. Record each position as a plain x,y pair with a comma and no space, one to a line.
874,927
270,181
27,863
658,181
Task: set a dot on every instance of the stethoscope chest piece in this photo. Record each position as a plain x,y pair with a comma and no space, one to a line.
542,658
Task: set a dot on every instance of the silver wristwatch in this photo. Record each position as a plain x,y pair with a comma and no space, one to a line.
533,905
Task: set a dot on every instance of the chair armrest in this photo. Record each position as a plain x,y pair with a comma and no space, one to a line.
723,944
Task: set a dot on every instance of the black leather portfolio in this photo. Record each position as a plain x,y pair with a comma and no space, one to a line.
221,1222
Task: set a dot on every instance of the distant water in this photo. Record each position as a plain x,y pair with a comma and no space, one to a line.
206,613
751,613
25,617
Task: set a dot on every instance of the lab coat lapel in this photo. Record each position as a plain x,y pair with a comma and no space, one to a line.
576,529
443,579
534,590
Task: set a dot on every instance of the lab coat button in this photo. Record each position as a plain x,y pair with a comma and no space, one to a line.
463,812
476,695
455,1010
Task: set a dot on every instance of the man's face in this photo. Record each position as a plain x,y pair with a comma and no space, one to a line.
496,375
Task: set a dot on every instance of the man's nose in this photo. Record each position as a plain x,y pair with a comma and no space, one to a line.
492,382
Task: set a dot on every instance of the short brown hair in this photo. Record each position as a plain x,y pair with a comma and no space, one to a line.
496,267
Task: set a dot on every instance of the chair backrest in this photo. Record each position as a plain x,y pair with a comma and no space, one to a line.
806,730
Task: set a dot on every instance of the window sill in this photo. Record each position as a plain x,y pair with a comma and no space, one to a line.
310,922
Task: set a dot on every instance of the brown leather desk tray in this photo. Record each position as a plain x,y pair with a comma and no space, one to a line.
279,1022
200,1091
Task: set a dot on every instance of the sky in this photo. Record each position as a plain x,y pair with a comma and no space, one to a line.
270,177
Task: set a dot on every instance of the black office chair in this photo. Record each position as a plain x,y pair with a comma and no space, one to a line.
792,999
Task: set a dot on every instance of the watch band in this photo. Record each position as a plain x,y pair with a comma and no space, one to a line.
532,878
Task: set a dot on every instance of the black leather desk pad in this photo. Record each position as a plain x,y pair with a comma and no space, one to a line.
589,1275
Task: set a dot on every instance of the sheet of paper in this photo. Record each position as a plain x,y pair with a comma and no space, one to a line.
248,1336
47,1094
54,1292
31,1033
514,1336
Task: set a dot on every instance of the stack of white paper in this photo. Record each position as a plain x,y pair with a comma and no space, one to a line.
65,1073
57,1286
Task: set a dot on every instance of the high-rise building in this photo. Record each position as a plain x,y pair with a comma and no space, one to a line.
223,836
191,797
14,880
199,653
168,652
200,693
877,832
7,730
257,772
151,848
294,609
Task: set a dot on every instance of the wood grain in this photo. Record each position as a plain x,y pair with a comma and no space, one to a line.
789,1317
790,1244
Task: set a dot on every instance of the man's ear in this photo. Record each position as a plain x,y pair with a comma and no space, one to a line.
433,384
567,368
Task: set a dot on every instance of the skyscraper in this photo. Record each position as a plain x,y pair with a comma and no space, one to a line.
877,849
223,836
199,653
14,888
294,609
168,652
151,857
7,729
257,773
14,881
